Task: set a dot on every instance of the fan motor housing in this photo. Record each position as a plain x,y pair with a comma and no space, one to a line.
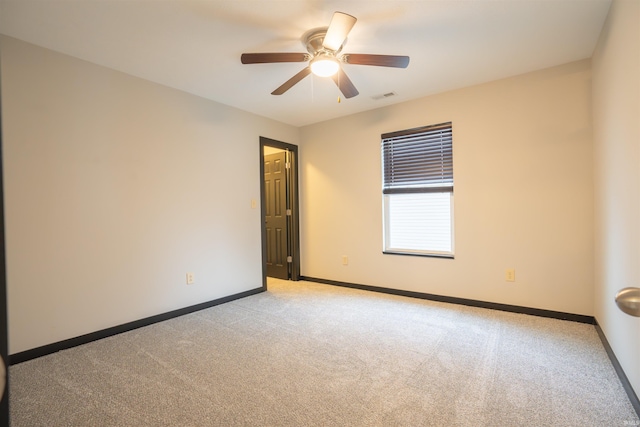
313,40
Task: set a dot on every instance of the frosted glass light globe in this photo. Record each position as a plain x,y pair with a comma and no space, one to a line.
324,65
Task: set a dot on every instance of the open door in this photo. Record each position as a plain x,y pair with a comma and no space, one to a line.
279,200
275,218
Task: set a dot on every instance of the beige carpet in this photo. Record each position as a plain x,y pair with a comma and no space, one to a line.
306,354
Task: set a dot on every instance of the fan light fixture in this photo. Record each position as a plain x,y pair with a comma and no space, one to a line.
324,65
324,44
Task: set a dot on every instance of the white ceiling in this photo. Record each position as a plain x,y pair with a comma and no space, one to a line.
195,46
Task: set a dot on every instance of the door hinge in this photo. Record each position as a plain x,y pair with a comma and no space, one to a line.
288,212
289,259
287,165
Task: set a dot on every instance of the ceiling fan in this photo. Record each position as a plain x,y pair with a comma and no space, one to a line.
324,46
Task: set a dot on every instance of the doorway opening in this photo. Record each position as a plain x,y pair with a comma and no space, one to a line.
279,210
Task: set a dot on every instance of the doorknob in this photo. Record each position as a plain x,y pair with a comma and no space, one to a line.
628,300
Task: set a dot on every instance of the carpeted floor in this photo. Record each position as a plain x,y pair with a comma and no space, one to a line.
305,354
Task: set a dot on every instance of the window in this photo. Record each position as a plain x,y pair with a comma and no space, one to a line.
417,191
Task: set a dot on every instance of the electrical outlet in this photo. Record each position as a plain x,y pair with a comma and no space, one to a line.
190,279
345,260
510,275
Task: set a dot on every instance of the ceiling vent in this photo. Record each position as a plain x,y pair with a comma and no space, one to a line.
384,95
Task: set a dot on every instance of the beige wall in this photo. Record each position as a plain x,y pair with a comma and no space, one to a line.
616,115
116,188
523,194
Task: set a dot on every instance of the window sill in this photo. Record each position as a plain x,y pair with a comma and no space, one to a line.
447,256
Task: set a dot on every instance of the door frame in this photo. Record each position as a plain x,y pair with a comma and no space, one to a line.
4,333
294,221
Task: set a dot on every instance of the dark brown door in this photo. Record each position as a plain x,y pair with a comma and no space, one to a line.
275,190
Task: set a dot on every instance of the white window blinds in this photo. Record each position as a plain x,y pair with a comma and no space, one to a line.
418,160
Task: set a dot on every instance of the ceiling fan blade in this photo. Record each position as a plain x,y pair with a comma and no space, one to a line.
263,58
292,81
378,60
339,28
345,84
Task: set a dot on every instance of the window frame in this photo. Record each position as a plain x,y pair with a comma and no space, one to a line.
429,182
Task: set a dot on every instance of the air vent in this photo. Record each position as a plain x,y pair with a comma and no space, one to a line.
384,95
